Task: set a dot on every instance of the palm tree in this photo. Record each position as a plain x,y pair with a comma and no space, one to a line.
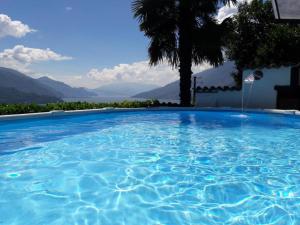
182,32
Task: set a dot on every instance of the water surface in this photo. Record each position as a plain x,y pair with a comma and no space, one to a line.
151,168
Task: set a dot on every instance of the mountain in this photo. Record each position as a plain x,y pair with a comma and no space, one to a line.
14,79
219,76
13,96
16,87
168,92
65,90
123,89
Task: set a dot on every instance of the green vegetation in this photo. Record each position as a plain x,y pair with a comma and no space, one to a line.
182,32
257,40
7,109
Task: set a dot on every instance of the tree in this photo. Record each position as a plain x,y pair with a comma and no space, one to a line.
258,41
182,32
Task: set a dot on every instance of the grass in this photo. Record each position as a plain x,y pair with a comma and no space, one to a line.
9,109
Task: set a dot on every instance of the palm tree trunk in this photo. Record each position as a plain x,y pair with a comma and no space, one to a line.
185,53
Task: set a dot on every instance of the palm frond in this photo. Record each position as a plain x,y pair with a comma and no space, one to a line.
163,48
207,43
158,20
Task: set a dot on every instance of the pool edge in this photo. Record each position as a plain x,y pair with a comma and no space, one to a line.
110,110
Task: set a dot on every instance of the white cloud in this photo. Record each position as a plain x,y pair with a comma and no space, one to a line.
228,11
77,77
13,28
225,12
20,57
69,8
138,72
24,54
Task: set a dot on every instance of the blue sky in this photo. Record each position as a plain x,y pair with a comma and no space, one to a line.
96,42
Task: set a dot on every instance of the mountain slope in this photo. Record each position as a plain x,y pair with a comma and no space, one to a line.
123,89
13,79
168,92
220,76
13,96
15,85
65,90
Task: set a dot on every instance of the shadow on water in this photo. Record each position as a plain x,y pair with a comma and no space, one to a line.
184,136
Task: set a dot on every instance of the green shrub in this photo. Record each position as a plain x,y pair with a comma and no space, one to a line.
7,109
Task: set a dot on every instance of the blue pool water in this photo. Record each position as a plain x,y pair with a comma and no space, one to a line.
151,168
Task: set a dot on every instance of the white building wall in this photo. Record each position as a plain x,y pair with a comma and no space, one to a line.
220,99
263,94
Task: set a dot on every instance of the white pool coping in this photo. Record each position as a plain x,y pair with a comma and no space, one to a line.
111,110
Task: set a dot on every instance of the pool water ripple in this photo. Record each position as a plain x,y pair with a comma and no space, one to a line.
151,168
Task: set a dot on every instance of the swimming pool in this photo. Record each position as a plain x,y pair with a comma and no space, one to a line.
167,167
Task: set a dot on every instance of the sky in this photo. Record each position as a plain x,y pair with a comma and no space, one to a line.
86,43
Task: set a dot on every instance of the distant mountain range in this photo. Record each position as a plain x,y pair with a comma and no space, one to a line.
168,92
64,90
219,76
123,89
11,95
16,87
